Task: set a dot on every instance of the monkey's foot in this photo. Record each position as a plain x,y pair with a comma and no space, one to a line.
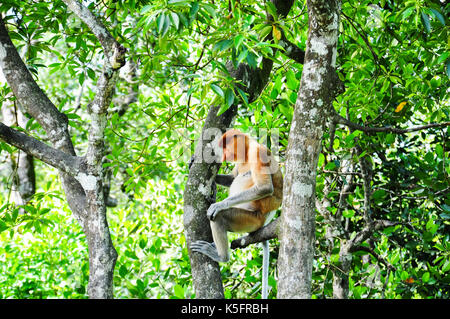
208,249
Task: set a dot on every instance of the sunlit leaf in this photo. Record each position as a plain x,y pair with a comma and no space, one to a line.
400,107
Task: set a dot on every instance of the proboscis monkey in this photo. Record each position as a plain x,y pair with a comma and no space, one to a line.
256,189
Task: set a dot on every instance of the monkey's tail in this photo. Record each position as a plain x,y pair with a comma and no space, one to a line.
265,270
265,265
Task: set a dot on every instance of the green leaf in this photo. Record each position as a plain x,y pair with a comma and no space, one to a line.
178,291
238,41
241,57
272,9
91,73
426,21
426,277
217,90
175,20
242,95
223,45
265,31
222,109
194,9
439,151
123,271
385,86
81,78
448,68
292,82
251,60
209,9
407,12
160,22
438,15
166,25
390,138
229,97
404,275
378,194
351,137
445,207
3,226
446,266
348,213
178,2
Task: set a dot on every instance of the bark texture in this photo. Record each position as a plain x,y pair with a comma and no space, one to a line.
297,230
22,164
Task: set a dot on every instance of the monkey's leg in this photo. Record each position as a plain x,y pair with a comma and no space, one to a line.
232,219
218,250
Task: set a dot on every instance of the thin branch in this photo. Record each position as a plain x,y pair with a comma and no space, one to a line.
291,50
56,158
37,104
367,231
366,171
114,52
30,95
374,254
95,25
364,38
341,120
345,190
267,232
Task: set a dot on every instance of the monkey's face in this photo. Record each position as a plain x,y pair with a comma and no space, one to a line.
227,155
234,150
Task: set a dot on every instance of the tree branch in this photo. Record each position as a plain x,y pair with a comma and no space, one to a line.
37,104
373,253
367,231
30,95
112,49
267,232
364,38
338,119
98,29
291,50
56,158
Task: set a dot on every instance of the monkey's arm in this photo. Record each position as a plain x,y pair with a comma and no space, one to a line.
224,180
253,193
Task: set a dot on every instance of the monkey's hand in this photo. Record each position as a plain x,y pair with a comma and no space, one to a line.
214,209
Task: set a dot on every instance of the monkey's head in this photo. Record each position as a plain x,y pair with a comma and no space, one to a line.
234,145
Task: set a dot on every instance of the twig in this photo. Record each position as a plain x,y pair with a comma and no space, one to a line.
341,120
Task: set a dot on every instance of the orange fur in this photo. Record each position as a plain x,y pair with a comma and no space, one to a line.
263,167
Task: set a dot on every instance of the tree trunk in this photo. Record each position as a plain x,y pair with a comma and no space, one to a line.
205,272
200,188
340,276
22,166
297,231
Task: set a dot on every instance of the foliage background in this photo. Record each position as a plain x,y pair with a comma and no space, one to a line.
389,52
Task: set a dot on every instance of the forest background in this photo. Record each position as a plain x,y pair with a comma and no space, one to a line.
382,224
